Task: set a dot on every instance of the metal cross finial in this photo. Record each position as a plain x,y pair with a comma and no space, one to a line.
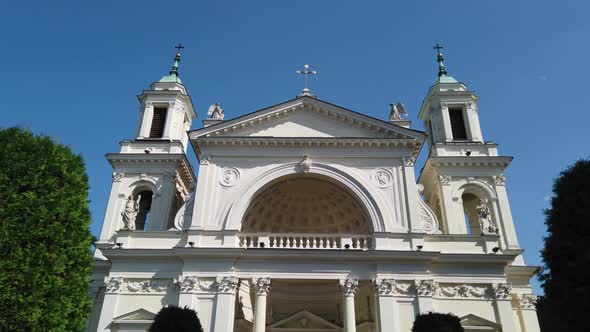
178,47
439,58
306,71
438,47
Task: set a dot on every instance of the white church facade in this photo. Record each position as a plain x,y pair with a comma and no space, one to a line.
307,216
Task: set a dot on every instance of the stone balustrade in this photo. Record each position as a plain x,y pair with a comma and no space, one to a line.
305,241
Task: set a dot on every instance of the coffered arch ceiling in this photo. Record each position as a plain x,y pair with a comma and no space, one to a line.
305,204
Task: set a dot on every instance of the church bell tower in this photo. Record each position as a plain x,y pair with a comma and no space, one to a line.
151,173
463,177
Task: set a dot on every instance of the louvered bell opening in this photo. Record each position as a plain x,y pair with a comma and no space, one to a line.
158,121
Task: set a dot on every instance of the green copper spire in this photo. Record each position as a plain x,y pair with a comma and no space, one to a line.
442,71
173,76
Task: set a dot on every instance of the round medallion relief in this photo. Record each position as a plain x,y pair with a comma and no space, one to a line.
382,178
229,177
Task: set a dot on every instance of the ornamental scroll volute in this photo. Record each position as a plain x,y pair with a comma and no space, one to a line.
428,221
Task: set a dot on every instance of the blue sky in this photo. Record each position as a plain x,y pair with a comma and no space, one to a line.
72,70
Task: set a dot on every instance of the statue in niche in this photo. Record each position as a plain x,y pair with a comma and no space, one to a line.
130,213
488,226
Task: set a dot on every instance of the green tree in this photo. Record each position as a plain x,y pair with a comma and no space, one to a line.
176,319
565,275
45,258
437,322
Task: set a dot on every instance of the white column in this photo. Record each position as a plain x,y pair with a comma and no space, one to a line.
262,288
225,304
386,306
503,307
424,291
109,304
349,288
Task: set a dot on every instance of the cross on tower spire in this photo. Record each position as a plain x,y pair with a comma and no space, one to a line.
173,73
174,70
305,72
439,58
178,48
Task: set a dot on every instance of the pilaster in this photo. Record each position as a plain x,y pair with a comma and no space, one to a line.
225,303
503,307
526,305
109,305
412,192
505,215
424,291
387,308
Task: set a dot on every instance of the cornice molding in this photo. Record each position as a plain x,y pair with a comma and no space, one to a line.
501,162
180,161
307,142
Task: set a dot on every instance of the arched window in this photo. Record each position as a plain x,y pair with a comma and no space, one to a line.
472,223
144,199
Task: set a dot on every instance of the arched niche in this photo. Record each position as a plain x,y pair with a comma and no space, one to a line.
143,192
471,193
233,213
306,204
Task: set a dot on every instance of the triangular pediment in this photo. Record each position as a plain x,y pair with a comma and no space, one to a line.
304,320
472,320
136,315
307,117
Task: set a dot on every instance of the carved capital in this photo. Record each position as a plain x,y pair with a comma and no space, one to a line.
187,284
226,284
500,180
349,286
445,180
383,286
113,284
471,106
148,104
524,301
444,105
261,286
409,162
205,160
425,287
501,291
117,176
